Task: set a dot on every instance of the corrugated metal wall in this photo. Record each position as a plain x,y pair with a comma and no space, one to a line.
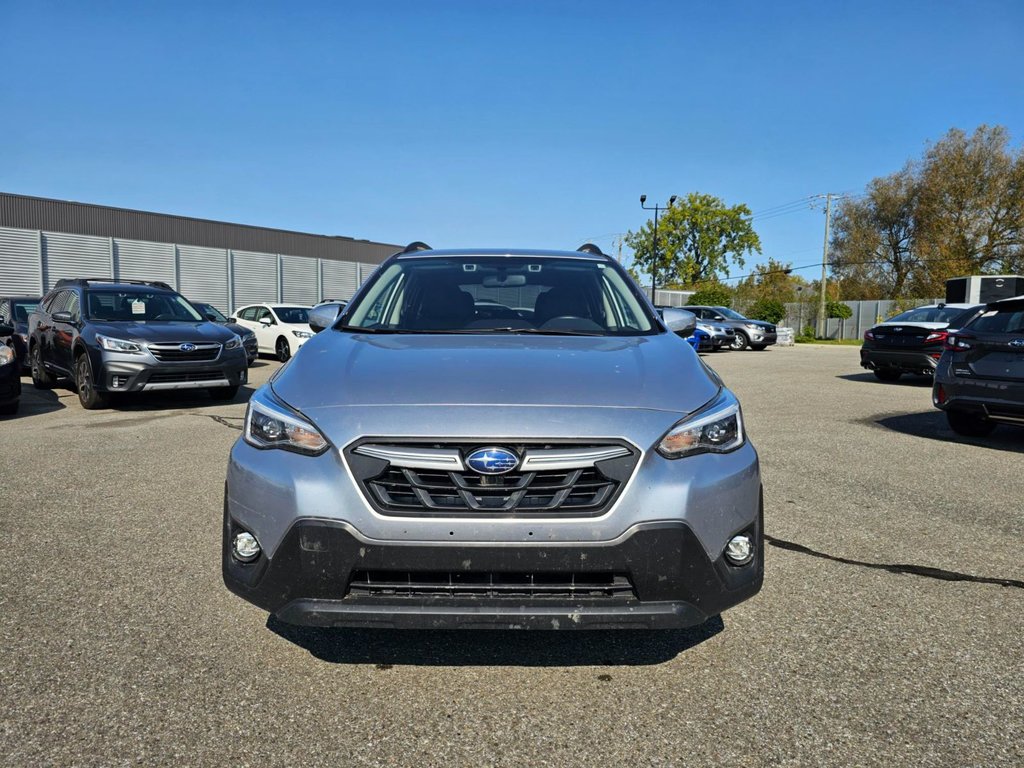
31,262
70,256
20,263
203,275
139,260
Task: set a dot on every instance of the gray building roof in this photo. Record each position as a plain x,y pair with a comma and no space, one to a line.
25,212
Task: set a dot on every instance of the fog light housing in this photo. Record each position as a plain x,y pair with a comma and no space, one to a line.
244,547
739,550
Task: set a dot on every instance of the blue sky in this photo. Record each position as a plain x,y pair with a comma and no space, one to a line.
533,124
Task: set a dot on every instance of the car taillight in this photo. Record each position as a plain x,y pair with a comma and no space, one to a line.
957,342
939,394
936,337
869,336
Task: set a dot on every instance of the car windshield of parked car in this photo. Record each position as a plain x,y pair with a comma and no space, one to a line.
730,314
297,315
139,306
928,315
22,309
501,294
999,322
208,310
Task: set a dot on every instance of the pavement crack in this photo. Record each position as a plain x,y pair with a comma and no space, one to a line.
914,570
225,420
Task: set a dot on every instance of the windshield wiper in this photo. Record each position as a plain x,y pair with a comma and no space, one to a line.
539,331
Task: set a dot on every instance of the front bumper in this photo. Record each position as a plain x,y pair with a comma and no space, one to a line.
762,337
10,383
115,372
675,584
907,361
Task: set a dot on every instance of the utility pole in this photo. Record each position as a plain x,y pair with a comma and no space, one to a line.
654,262
822,320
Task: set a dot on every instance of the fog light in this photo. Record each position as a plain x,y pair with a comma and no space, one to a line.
245,547
739,550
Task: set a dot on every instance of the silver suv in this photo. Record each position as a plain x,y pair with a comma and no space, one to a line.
503,439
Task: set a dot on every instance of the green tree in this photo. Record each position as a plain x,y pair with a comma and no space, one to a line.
774,280
697,237
712,294
838,309
770,310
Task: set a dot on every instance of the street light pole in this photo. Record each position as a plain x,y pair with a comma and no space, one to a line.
654,256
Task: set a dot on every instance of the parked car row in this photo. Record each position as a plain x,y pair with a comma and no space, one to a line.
726,329
974,352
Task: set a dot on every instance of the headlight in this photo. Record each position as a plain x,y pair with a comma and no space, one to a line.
753,327
6,355
233,343
716,429
302,334
119,345
269,423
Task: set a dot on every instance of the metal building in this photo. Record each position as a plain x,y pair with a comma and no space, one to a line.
227,265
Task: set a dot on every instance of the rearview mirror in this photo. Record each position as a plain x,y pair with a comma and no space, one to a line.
679,321
504,281
323,316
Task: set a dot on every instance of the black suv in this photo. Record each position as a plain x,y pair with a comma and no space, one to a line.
130,336
979,381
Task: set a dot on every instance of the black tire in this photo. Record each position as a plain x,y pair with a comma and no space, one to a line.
90,399
740,342
283,349
41,379
9,409
223,393
969,424
887,374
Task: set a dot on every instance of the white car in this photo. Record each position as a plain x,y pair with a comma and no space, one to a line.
280,328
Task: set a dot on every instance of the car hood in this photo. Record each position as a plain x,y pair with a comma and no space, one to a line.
336,369
164,331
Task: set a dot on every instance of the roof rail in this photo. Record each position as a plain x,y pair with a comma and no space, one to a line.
416,245
590,248
84,281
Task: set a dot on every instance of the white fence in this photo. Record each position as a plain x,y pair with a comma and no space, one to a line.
32,261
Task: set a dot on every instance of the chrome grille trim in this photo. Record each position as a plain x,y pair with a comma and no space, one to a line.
450,459
415,458
569,458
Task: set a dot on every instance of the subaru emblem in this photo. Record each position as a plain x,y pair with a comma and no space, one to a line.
492,461
187,347
1017,343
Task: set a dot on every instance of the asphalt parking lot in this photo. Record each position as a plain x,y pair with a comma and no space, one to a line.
889,630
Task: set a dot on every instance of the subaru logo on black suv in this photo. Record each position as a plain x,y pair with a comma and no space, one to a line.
130,336
492,461
370,486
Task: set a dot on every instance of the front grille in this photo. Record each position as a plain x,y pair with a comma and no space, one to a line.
490,585
173,377
558,491
172,353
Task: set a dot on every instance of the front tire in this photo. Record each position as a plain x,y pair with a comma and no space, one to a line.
9,409
90,399
968,424
759,347
885,374
740,342
40,378
223,393
283,348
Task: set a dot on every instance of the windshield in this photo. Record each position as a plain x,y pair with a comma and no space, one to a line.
20,310
730,313
501,294
140,306
298,315
932,315
208,309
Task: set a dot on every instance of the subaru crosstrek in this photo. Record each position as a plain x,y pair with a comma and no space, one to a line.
504,439
130,336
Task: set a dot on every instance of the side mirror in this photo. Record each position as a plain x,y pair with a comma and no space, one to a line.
6,330
62,317
323,316
679,321
266,321
211,317
232,319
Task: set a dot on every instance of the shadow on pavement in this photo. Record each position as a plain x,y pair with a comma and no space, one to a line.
933,426
906,380
35,401
460,648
